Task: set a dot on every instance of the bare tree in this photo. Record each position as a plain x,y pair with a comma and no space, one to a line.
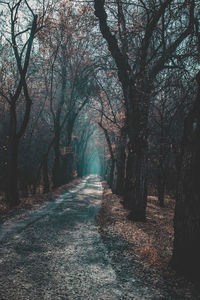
152,52
22,57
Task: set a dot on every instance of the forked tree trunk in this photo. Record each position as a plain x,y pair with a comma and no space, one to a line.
186,254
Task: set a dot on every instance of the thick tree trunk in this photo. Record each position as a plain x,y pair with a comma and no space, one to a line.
135,197
67,167
186,258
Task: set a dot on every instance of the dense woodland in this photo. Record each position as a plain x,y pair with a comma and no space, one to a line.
106,87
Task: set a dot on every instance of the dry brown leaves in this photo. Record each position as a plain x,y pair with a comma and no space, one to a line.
152,240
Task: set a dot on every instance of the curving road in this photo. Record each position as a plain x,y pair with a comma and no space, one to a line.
56,252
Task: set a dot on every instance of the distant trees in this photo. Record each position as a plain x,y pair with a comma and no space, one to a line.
69,82
47,73
89,145
109,107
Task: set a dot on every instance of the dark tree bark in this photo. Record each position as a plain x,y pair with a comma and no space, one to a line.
67,167
12,194
161,188
112,156
186,258
56,171
45,177
162,165
135,196
119,181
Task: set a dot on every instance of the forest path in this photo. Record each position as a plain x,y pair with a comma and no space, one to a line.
57,252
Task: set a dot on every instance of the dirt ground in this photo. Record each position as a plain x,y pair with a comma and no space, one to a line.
139,253
55,251
150,242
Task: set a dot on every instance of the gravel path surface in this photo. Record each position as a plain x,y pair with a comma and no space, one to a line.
56,252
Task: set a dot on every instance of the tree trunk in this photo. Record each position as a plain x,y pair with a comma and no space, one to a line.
135,196
67,167
162,162
12,194
120,165
111,175
12,187
186,258
24,189
80,167
68,159
45,177
56,166
112,156
161,188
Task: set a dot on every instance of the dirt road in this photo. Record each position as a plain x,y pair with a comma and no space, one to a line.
56,252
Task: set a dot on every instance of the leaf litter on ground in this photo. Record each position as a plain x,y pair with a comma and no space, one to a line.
149,243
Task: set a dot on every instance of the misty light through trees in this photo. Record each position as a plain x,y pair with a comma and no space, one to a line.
109,88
